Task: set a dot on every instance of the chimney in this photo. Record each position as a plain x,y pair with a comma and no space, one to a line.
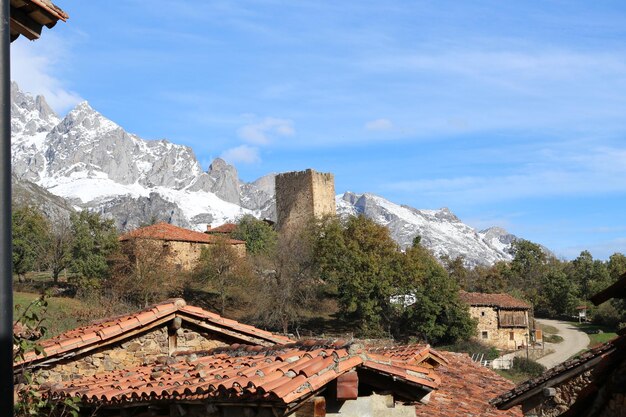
208,229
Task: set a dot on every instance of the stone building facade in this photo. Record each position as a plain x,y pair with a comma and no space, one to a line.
153,346
503,321
178,247
301,196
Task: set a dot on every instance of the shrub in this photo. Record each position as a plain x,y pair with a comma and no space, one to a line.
473,347
528,366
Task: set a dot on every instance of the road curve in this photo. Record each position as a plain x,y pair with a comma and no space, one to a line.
573,342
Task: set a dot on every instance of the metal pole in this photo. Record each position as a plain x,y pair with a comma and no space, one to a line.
6,268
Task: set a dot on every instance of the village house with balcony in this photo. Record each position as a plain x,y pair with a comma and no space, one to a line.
503,320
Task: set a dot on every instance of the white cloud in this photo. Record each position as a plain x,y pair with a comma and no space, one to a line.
243,153
262,132
379,125
33,67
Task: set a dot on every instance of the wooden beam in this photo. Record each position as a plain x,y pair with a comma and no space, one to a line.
315,407
226,332
22,23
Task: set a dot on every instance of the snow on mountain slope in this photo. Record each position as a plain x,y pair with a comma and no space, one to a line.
440,230
95,164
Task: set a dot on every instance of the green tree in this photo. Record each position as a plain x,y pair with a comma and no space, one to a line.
489,279
259,236
559,294
617,266
363,263
31,238
95,240
457,270
527,268
140,276
438,314
60,248
581,272
286,288
224,271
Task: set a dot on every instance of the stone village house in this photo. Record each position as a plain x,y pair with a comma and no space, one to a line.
176,360
592,384
179,247
502,319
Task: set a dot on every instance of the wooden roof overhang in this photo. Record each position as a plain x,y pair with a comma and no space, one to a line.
28,17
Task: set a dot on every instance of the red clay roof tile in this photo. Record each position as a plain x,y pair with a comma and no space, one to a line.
103,331
233,374
493,300
165,231
224,228
465,390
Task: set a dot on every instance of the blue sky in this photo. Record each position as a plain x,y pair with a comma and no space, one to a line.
511,114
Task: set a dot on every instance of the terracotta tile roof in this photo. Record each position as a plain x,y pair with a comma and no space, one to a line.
605,394
465,390
225,228
410,354
535,385
493,300
280,374
165,231
110,329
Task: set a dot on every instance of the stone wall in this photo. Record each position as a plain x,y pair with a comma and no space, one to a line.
144,348
614,392
556,400
301,196
371,406
490,332
183,256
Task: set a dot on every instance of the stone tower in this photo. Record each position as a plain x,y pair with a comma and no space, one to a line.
301,196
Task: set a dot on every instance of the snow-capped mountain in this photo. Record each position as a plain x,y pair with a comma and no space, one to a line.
93,163
440,230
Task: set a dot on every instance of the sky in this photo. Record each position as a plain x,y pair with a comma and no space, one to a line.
511,114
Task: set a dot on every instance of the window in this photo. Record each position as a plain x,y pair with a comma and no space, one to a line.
511,336
485,335
482,314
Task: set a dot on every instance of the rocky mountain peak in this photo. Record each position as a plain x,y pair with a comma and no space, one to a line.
30,116
219,165
45,111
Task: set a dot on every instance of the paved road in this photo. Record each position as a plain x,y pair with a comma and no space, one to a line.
573,342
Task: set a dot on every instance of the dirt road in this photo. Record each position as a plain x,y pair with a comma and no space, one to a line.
573,342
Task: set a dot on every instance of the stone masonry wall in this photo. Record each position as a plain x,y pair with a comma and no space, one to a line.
145,348
182,255
302,195
564,396
497,337
615,405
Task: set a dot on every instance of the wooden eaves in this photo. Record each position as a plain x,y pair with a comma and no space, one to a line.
28,17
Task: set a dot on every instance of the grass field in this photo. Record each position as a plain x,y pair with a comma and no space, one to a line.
547,329
62,313
597,334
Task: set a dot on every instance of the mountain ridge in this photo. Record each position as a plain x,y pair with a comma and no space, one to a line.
93,163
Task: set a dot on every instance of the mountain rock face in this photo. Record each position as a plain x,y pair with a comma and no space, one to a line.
94,163
440,230
85,160
26,193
